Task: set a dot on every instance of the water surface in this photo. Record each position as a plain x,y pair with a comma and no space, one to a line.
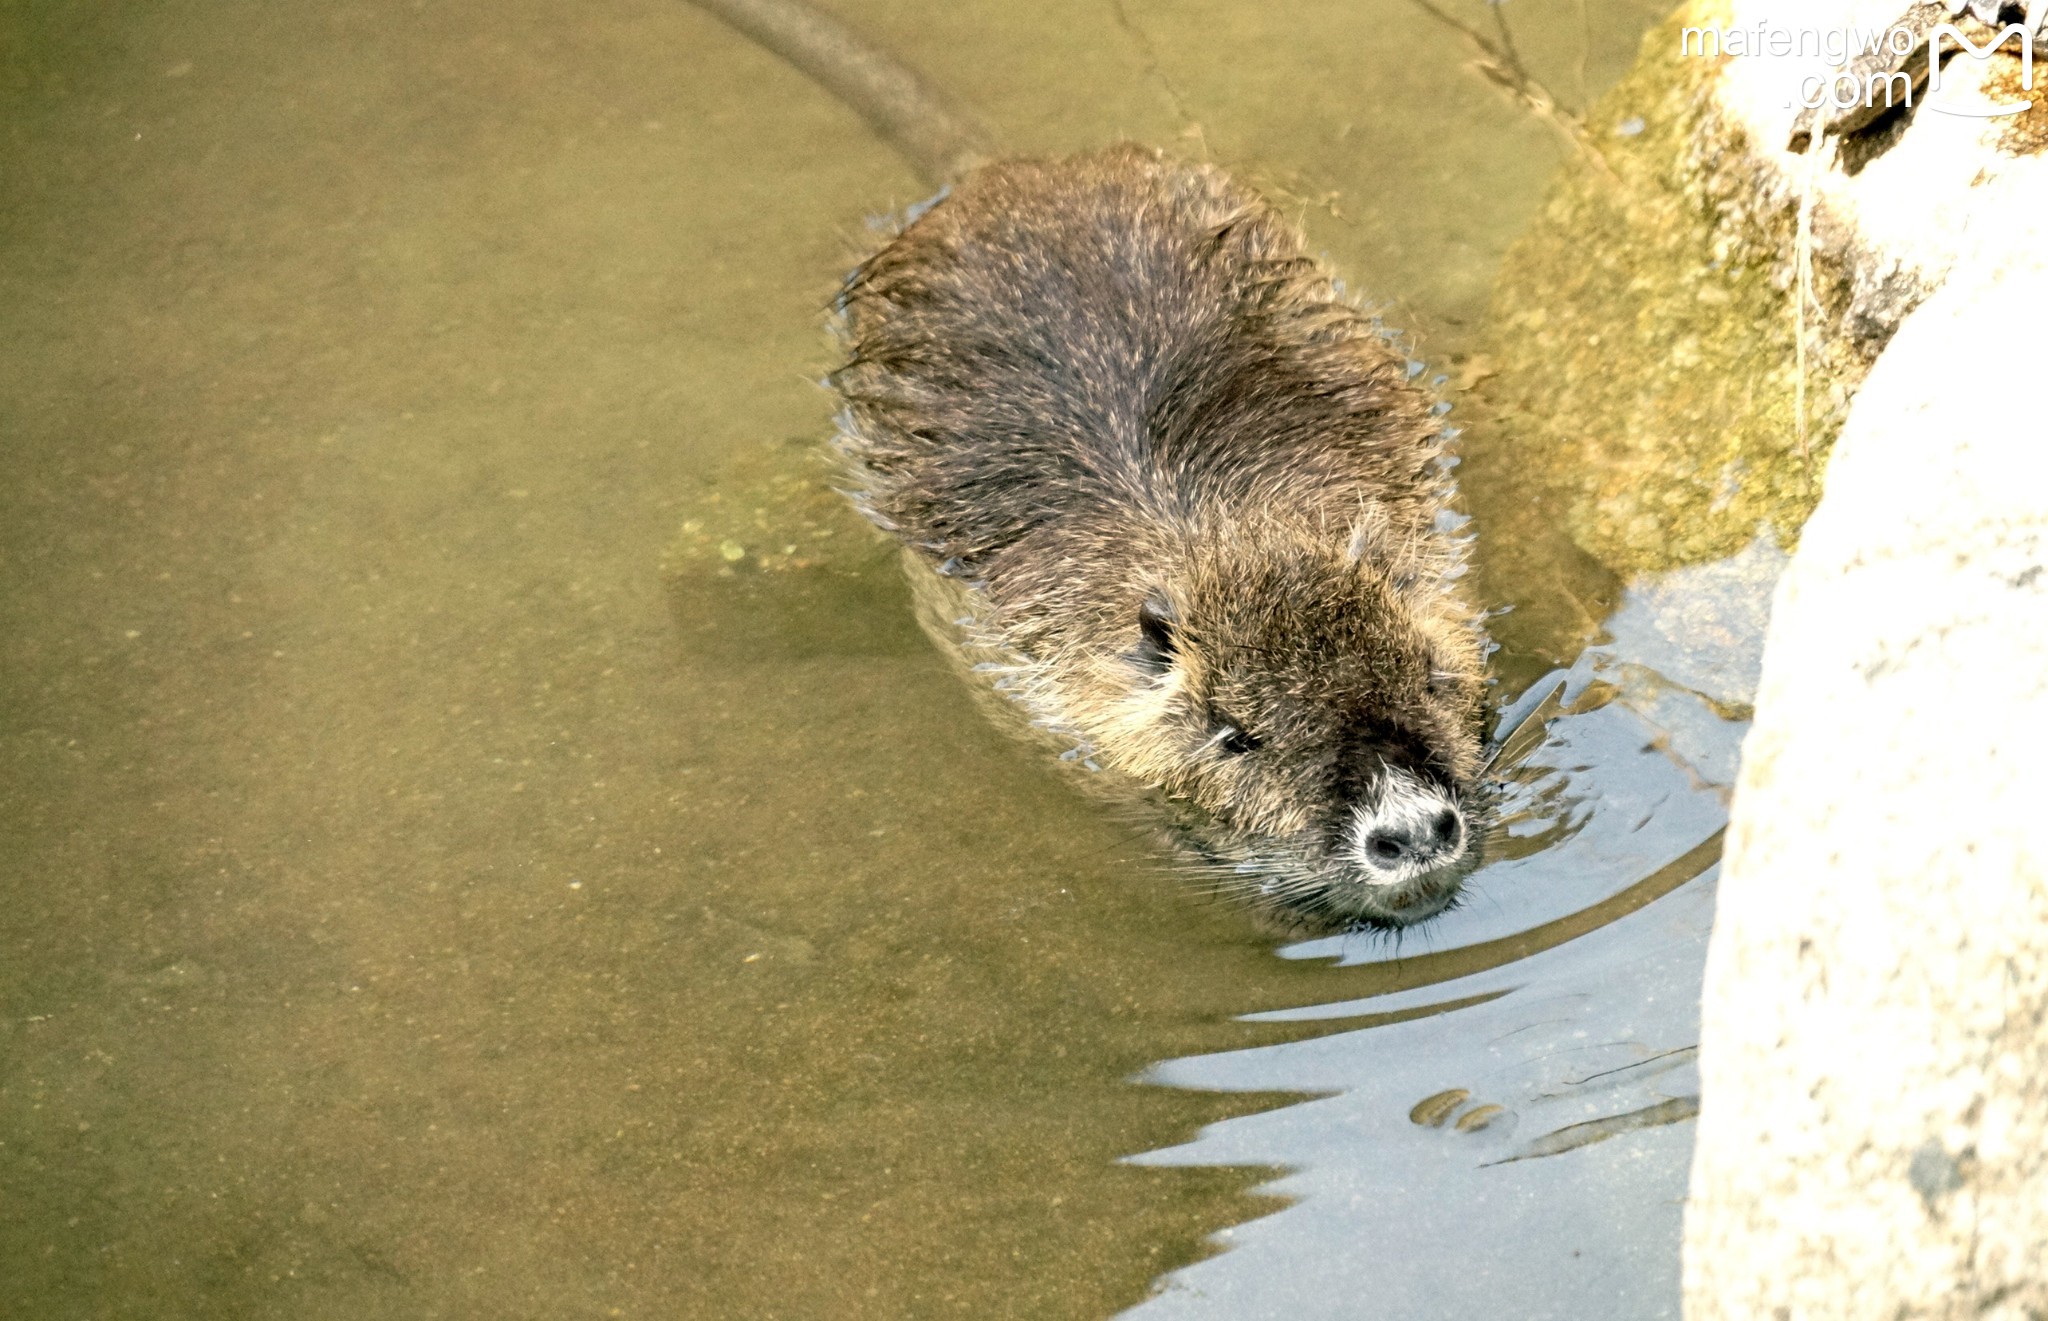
413,902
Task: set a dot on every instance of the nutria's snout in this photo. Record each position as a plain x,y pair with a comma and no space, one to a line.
1409,852
1412,829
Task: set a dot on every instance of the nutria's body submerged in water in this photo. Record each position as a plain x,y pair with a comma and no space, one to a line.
1183,505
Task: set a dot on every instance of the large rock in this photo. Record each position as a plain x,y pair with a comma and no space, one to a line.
1874,1051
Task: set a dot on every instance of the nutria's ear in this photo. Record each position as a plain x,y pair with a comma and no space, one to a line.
1157,642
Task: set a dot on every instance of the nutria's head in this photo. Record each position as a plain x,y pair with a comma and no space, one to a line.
1312,711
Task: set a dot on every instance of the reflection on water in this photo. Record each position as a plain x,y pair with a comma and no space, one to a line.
1519,1211
411,902
1521,1149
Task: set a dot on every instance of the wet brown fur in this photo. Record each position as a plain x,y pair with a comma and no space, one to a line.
1077,386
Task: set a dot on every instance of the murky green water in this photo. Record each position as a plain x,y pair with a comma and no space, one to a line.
413,903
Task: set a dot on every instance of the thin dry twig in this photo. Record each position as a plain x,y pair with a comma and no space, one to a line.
1585,52
1802,268
1500,64
1150,55
1507,39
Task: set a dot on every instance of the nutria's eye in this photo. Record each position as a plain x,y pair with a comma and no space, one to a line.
1156,636
1234,739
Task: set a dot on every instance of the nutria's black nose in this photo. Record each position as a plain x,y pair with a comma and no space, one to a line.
1396,844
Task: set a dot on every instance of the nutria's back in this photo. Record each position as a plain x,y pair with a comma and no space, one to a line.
1113,328
1194,500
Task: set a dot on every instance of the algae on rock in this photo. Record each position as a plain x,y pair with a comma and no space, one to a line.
769,555
772,511
1643,332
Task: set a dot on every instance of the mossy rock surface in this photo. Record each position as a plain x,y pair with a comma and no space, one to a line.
769,557
1643,332
771,511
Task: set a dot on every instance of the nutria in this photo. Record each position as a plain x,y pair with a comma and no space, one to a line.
1180,501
